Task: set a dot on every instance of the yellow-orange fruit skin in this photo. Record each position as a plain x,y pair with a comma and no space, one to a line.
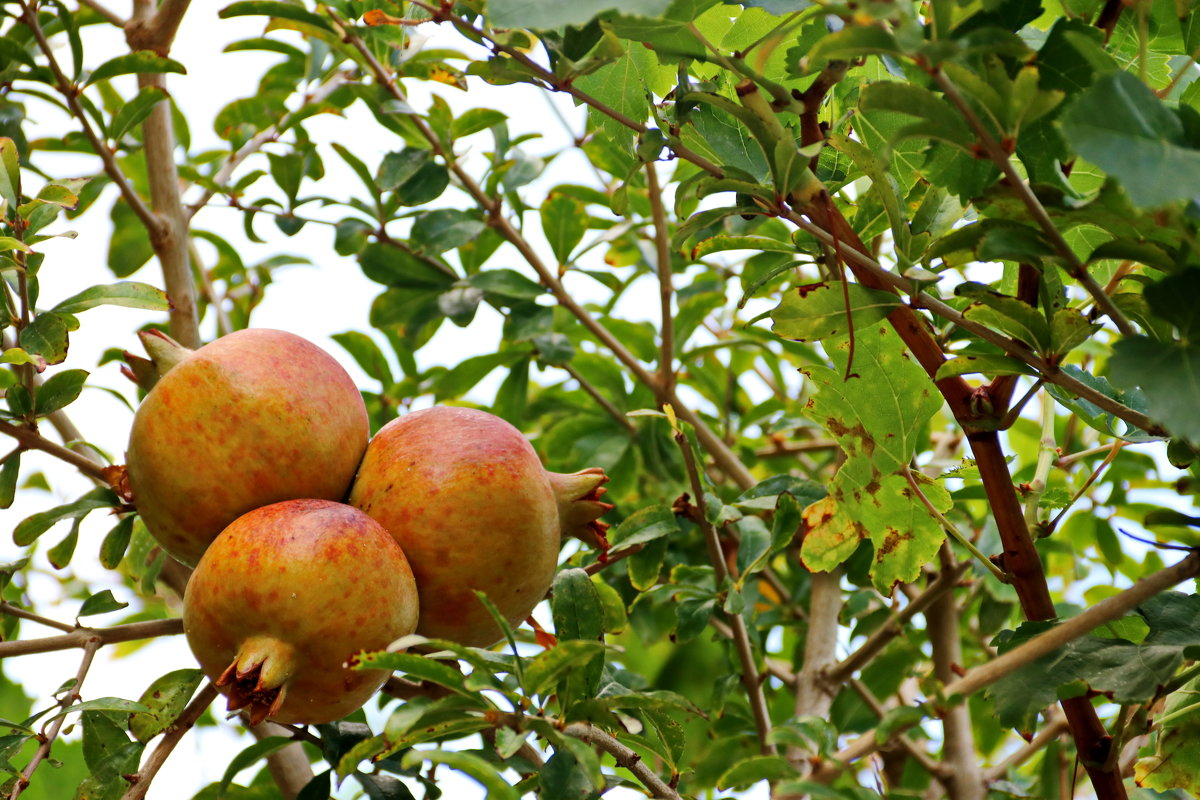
466,497
322,579
256,417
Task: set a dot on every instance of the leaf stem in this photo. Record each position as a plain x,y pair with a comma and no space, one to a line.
952,529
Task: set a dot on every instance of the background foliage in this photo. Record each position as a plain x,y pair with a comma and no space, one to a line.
880,315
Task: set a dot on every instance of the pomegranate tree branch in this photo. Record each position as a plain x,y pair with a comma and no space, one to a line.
169,237
83,637
70,93
814,692
105,12
725,458
1107,610
1050,373
10,610
1054,728
1076,268
962,775
182,724
48,735
662,247
889,630
599,397
30,439
289,766
751,679
625,757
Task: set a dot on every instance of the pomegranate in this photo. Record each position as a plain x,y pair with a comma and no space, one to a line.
472,507
255,417
285,597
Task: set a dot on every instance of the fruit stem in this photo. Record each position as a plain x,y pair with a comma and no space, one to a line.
580,506
258,677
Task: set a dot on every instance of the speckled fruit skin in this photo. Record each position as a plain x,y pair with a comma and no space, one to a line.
317,582
467,498
256,417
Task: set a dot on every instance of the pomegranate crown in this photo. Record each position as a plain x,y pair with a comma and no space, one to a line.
164,354
580,506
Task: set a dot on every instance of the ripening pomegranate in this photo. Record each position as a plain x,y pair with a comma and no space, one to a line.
464,494
256,417
285,597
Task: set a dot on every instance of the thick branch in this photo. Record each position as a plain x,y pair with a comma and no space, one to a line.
963,778
81,637
289,766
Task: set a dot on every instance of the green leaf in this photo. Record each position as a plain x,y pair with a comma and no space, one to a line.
644,525
9,471
399,268
475,120
47,336
140,61
165,700
507,284
60,554
1124,671
1168,374
754,769
564,221
575,606
133,112
1120,125
116,542
100,704
467,763
818,311
275,8
60,390
563,776
397,167
34,526
418,666
444,229
1173,765
100,603
462,377
723,242
1006,314
551,667
985,365
543,16
10,175
366,354
938,119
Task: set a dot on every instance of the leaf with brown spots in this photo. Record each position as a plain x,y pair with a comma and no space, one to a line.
878,414
817,312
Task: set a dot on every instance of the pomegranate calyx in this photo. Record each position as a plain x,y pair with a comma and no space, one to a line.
164,353
257,679
580,507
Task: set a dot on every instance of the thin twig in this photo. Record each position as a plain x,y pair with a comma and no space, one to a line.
1025,194
952,529
741,637
12,611
726,459
71,94
30,439
1054,728
182,724
81,637
1107,610
104,11
625,758
1096,473
662,246
48,736
599,397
